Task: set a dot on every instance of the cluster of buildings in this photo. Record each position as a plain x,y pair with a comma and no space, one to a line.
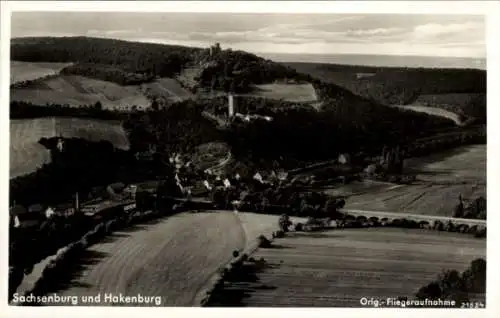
119,199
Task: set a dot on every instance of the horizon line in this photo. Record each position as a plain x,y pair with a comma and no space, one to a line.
254,52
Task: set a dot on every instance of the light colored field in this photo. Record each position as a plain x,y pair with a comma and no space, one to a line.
338,268
358,188
26,154
78,91
433,111
27,71
167,88
210,155
287,92
457,99
174,258
442,179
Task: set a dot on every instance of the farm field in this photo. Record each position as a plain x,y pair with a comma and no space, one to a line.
288,92
26,154
28,71
433,111
167,88
457,99
173,258
358,188
78,91
338,268
442,178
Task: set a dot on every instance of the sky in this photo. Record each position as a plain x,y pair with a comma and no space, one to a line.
384,34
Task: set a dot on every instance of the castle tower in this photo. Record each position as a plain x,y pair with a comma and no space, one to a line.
230,105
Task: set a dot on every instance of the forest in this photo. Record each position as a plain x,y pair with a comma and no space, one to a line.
132,57
401,86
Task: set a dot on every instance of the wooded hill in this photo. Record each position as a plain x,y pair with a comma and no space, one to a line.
462,91
346,123
127,63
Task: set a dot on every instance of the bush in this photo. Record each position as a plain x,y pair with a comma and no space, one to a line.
463,228
361,219
374,220
236,253
263,242
396,222
384,222
28,269
280,234
473,229
438,226
423,224
111,226
299,227
450,227
481,232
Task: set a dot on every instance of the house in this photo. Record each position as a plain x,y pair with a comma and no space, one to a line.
258,176
49,212
66,209
20,217
344,158
282,175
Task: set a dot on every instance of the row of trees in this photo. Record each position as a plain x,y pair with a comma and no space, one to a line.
476,209
21,110
108,73
451,285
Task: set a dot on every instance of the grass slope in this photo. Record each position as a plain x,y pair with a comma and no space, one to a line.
78,91
166,88
338,268
28,71
287,92
435,111
26,154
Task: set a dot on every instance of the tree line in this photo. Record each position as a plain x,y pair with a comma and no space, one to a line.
108,73
133,57
453,285
23,110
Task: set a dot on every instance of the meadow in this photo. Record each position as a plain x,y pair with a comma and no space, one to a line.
78,91
337,268
28,71
299,93
166,88
441,178
435,111
75,91
26,154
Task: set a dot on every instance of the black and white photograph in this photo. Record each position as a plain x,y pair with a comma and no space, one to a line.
233,159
